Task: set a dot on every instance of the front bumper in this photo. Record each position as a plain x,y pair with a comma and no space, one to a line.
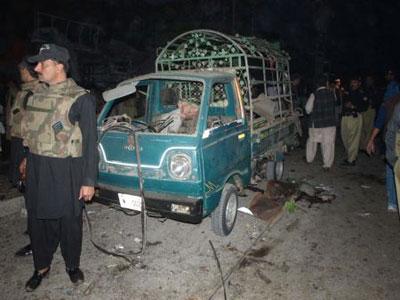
158,203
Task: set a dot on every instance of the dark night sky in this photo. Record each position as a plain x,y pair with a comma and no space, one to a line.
348,36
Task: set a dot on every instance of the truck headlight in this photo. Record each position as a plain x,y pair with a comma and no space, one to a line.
180,166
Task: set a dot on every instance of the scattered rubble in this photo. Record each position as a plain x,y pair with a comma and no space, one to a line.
269,202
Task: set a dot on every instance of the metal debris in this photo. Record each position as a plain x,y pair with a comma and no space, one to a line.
363,214
119,247
89,289
364,186
307,189
245,210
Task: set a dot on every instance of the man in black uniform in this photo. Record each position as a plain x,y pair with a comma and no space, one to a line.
59,128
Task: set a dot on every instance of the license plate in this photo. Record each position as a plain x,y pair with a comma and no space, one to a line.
130,201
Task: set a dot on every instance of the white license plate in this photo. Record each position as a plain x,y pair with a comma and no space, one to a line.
130,201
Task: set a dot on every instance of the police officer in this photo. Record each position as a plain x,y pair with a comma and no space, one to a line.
351,124
59,128
30,83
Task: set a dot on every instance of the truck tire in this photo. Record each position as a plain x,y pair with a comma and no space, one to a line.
279,169
274,169
270,170
223,218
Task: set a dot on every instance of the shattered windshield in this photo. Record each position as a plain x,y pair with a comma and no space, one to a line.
161,106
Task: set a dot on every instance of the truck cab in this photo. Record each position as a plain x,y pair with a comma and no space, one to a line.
184,136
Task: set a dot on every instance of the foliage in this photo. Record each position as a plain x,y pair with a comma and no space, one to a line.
290,206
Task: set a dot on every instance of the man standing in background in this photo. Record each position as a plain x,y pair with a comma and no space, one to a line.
351,123
29,85
322,123
368,112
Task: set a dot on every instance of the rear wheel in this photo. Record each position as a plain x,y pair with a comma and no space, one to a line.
223,218
274,169
279,168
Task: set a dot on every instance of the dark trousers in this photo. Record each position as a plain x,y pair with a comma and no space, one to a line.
46,234
16,156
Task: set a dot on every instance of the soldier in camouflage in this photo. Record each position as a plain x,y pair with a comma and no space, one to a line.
59,129
29,85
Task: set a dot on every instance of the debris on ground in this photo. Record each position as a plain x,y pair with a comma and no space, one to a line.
307,189
278,194
363,214
268,204
89,289
245,210
119,247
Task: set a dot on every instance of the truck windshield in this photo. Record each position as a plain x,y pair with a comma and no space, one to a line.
167,106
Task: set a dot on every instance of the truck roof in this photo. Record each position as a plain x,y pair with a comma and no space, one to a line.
193,74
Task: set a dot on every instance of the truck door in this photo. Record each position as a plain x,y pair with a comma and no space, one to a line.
226,142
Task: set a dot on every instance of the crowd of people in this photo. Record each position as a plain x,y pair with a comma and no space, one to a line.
50,123
367,117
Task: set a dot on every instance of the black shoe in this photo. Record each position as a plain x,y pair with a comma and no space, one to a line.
76,275
24,251
348,164
35,280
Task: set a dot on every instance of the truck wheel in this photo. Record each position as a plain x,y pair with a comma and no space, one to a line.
274,170
270,170
279,168
223,218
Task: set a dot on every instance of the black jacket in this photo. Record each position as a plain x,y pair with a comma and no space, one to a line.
323,113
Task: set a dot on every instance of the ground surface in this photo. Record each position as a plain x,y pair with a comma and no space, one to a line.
349,249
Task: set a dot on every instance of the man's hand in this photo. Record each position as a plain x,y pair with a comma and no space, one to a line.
86,193
22,169
371,147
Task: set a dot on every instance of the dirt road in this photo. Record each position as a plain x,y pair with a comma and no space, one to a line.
349,249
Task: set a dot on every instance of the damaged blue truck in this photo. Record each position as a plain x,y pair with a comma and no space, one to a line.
184,141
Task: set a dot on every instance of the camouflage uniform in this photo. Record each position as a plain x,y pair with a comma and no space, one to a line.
46,128
15,123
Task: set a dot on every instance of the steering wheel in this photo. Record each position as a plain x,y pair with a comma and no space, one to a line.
161,124
149,127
